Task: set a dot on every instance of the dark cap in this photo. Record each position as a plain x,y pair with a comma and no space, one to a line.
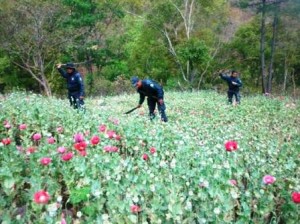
134,80
70,65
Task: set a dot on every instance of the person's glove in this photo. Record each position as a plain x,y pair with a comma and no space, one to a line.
161,101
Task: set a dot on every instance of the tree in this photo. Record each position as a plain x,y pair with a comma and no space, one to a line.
267,77
31,36
175,24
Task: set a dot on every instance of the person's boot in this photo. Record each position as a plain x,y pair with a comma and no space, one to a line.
164,117
152,116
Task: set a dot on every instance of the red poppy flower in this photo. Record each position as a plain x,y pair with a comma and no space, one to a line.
296,197
145,157
41,197
231,146
45,161
67,156
80,146
95,140
152,150
6,141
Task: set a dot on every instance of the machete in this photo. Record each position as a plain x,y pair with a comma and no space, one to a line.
133,109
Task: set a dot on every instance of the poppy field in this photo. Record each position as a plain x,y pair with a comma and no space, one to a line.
211,163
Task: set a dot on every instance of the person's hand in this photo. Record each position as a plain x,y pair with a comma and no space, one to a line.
234,83
161,101
58,65
139,106
81,97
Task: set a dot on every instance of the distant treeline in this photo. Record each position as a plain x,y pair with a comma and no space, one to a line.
181,44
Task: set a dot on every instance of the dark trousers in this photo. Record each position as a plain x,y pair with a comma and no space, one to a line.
232,94
75,100
161,108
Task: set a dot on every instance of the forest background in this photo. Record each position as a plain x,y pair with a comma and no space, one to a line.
180,43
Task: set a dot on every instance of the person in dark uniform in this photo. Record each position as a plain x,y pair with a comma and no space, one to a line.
154,93
75,84
234,84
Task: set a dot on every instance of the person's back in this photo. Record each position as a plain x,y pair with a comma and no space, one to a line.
154,93
151,88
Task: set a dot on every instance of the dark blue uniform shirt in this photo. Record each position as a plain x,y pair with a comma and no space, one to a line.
229,80
74,82
150,88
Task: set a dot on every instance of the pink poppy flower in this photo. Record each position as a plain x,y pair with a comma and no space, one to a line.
7,125
109,148
51,140
118,137
114,149
116,121
111,134
233,182
145,157
63,220
61,149
102,128
37,137
19,148
231,146
152,150
95,140
67,156
268,179
45,161
83,153
60,129
22,126
78,137
135,208
30,150
41,197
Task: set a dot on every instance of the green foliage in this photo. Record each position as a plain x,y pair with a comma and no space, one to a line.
101,186
83,13
131,37
193,50
78,195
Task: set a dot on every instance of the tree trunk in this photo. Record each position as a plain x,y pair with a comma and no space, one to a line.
273,45
262,46
285,74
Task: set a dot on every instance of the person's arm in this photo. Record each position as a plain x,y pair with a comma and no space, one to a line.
160,92
142,98
61,71
239,83
224,77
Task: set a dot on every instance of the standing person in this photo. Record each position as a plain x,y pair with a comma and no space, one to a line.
234,84
75,84
154,93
